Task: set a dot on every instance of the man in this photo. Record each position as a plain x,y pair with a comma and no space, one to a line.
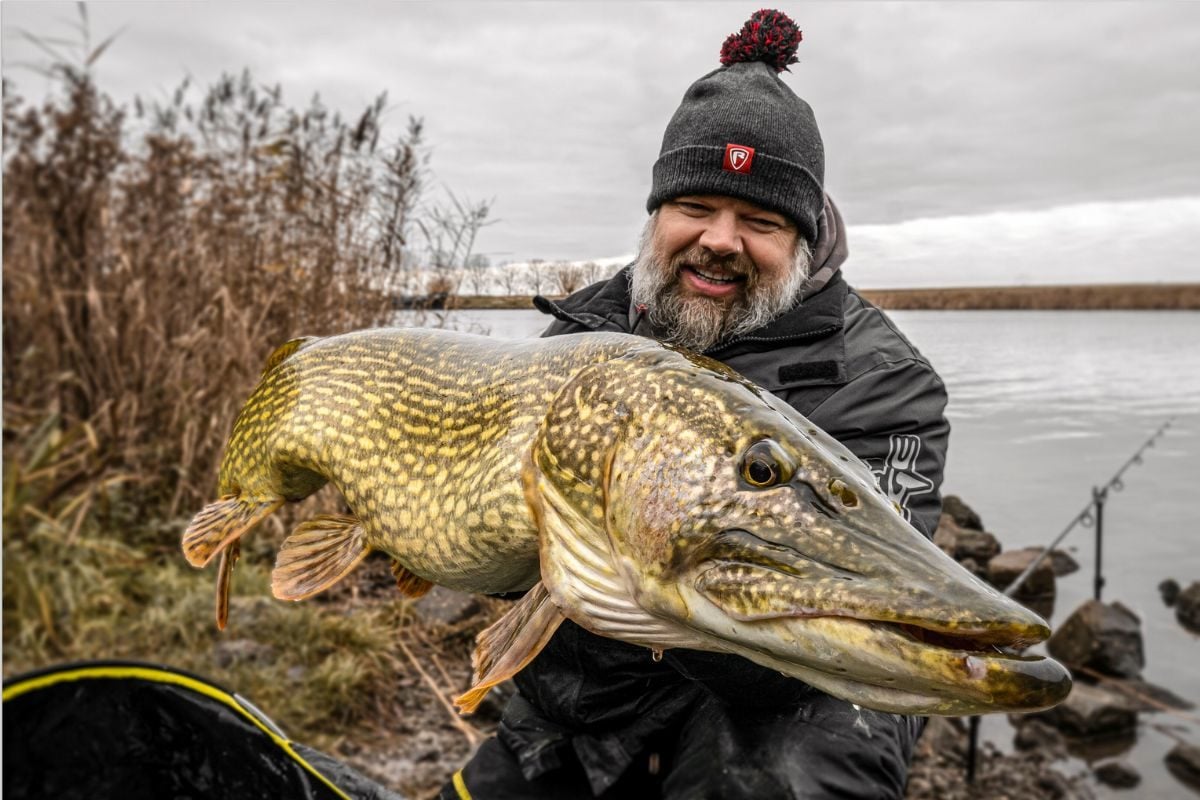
740,260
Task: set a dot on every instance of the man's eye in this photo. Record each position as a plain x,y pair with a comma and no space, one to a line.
765,224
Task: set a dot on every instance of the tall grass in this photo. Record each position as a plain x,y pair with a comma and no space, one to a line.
153,257
152,264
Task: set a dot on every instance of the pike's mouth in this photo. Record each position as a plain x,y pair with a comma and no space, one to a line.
737,588
1003,642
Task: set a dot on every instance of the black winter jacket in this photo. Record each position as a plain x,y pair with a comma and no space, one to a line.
841,363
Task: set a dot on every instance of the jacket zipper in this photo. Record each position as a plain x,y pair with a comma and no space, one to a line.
796,336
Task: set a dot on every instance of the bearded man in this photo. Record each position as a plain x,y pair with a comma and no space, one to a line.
740,260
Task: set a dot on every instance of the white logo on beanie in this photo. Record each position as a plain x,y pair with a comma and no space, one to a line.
738,158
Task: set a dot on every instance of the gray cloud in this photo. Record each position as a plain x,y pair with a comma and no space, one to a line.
557,110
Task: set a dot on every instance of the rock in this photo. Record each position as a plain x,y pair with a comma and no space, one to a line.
979,545
228,652
998,776
1106,638
1169,589
1141,695
943,736
1038,590
1054,786
1060,561
1063,562
1007,566
1102,748
1120,774
962,514
1184,763
1090,711
946,535
1034,734
1187,607
962,543
446,606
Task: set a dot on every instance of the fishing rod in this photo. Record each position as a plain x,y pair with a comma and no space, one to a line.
1087,518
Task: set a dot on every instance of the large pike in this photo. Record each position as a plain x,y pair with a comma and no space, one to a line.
648,494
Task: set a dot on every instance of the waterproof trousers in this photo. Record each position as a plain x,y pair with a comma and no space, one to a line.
825,748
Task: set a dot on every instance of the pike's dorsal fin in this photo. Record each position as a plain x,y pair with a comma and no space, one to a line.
318,554
219,524
284,350
410,585
510,643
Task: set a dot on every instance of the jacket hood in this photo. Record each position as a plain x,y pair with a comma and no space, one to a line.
829,251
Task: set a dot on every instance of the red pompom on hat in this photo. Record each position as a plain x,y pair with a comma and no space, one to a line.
769,36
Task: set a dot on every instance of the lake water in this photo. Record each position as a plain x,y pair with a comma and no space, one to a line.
1044,406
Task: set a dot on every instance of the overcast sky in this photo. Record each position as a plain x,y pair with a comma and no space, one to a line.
1047,142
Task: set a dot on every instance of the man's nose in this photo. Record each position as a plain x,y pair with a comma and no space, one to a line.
721,235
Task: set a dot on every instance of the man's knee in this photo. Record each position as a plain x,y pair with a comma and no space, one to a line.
494,774
825,748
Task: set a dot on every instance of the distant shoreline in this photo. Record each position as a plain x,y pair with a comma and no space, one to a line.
1095,297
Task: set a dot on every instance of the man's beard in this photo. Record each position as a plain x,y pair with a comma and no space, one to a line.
696,322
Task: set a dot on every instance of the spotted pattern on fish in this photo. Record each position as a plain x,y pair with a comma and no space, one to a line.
648,494
420,431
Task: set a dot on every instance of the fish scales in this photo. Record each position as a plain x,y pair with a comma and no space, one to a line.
646,493
457,413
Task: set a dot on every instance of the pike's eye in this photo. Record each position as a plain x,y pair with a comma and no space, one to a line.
764,465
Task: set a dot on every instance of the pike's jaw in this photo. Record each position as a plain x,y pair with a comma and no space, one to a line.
882,666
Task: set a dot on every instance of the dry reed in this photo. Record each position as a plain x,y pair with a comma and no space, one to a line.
153,258
151,267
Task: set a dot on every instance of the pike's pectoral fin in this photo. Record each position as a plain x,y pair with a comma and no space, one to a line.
510,644
318,554
410,585
221,523
229,557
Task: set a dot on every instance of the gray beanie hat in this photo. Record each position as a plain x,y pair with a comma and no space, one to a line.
741,132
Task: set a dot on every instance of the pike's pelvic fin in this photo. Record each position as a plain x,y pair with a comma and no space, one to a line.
410,585
507,646
318,554
219,524
229,557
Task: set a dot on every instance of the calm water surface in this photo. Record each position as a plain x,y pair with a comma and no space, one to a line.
1045,405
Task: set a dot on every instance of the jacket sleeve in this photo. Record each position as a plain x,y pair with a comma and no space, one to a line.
893,418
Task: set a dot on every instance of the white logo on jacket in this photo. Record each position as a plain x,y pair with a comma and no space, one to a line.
898,476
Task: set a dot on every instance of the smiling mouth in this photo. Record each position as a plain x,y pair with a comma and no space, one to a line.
714,277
